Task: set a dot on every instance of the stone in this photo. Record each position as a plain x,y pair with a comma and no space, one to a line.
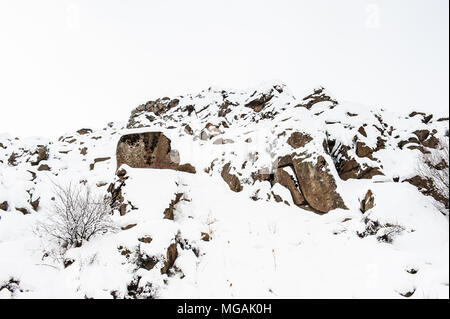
171,256
232,180
148,150
297,140
368,202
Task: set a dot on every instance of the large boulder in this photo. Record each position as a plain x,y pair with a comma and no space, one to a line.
317,184
149,150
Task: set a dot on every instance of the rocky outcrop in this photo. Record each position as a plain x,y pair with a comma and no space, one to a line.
368,202
4,206
231,179
149,150
317,184
287,180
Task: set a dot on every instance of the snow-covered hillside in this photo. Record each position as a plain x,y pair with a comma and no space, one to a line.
254,194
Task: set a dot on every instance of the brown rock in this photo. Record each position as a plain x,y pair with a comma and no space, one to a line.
362,150
128,226
23,210
43,167
168,212
232,180
4,206
368,202
362,131
84,131
145,239
287,180
426,187
317,184
259,103
98,160
171,256
297,140
205,237
83,151
42,155
148,150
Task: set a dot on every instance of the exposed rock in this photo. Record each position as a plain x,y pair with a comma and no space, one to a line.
188,130
221,141
316,97
171,256
168,212
232,180
128,226
4,206
259,103
42,155
98,160
83,151
426,187
148,150
368,202
43,167
205,236
84,131
23,210
297,140
287,180
12,160
317,184
145,239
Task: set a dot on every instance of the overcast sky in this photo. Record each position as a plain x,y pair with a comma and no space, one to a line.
67,64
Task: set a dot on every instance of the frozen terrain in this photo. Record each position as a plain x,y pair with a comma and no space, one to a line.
273,209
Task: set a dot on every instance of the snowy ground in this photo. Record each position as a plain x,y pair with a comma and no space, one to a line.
257,249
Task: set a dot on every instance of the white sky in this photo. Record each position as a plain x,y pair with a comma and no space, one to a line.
66,64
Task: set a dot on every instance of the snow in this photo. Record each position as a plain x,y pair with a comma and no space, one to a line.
257,249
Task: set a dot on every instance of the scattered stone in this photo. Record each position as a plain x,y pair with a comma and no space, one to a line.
232,180
368,202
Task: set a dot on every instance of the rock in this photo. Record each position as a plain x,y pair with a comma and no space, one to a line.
145,239
83,151
12,159
362,150
316,97
297,140
426,187
148,150
42,155
317,184
232,180
221,141
171,256
422,135
128,226
35,203
168,212
287,180
98,160
205,237
84,131
259,103
4,206
362,131
43,167
188,130
23,210
368,202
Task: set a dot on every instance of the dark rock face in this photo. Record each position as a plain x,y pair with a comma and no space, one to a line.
149,150
297,140
232,180
316,97
368,202
287,180
168,212
259,103
317,184
427,187
4,206
171,256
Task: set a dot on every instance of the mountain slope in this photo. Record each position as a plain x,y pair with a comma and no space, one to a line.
234,194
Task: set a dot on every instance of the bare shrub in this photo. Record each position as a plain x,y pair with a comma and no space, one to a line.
434,168
77,215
